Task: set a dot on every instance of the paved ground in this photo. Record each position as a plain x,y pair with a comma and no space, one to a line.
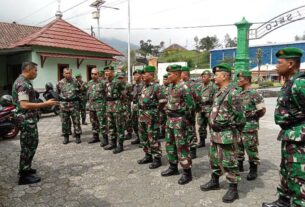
87,175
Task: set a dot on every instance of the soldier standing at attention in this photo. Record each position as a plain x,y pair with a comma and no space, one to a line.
254,109
206,92
68,90
114,111
179,103
165,87
82,97
96,101
149,103
136,92
290,115
26,114
226,121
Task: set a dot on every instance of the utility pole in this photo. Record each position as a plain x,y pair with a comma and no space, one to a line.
129,68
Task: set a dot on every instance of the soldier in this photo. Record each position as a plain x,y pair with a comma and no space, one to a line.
191,116
102,74
162,111
136,92
290,116
96,103
82,97
26,114
206,92
114,111
150,101
179,103
226,121
254,109
68,90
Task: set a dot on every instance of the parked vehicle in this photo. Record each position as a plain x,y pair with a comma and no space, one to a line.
48,94
8,125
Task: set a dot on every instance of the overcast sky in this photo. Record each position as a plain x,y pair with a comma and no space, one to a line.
161,13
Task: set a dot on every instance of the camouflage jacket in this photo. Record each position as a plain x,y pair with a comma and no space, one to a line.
227,117
82,93
251,102
23,91
205,95
289,112
68,92
114,92
135,94
96,95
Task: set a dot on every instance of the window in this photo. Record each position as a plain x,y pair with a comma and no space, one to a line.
60,70
89,67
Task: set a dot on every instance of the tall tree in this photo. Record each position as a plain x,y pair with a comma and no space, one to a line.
207,43
146,48
196,39
229,42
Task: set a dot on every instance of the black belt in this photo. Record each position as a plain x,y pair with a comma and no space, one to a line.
175,114
112,99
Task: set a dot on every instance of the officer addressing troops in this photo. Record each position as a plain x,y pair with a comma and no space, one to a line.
206,92
26,114
226,121
254,108
68,90
180,102
82,97
290,116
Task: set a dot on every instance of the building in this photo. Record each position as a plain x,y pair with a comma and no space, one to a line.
53,47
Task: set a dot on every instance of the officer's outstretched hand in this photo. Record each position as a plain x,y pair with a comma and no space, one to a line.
51,102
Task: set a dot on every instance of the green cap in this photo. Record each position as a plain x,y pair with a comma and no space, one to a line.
165,76
101,71
206,72
244,73
139,71
121,75
289,52
224,67
78,75
109,67
149,69
173,68
185,68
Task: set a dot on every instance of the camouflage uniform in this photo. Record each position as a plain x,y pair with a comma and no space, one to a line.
68,91
163,116
136,92
82,101
127,109
27,122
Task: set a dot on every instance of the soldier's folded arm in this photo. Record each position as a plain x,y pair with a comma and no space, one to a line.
28,105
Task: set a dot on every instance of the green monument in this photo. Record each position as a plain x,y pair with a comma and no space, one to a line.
242,51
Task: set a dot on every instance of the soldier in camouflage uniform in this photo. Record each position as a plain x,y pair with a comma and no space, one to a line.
102,74
114,111
254,109
226,121
82,97
165,87
191,124
26,115
96,103
136,92
180,103
68,90
290,116
206,92
150,101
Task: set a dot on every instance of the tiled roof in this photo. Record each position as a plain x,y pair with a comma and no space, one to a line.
11,33
174,47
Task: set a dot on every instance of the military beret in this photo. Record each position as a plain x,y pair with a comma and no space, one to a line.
109,67
289,52
223,67
165,76
185,68
77,75
121,75
244,73
139,71
206,72
149,69
173,68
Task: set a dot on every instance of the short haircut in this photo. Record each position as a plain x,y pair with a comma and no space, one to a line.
67,69
95,69
296,60
26,65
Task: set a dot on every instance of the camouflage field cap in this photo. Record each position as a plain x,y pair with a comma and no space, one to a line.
244,73
139,71
77,75
165,76
185,68
206,72
109,67
173,68
289,52
149,69
223,67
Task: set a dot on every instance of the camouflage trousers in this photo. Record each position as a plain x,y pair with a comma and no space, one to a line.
135,121
292,172
28,143
248,142
148,131
115,126
82,108
203,124
98,121
191,130
128,119
163,119
66,121
223,160
177,143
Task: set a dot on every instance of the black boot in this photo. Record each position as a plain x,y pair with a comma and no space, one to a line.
104,140
32,171
27,178
94,139
213,184
172,170
232,194
77,139
193,154
147,159
186,177
119,149
66,139
281,202
84,121
137,140
201,143
240,165
128,136
111,146
253,171
156,163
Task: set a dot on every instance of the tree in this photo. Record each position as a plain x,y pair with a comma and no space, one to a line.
146,48
230,42
196,39
298,38
207,43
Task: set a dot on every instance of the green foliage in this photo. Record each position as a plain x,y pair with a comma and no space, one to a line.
146,48
266,84
207,43
228,42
